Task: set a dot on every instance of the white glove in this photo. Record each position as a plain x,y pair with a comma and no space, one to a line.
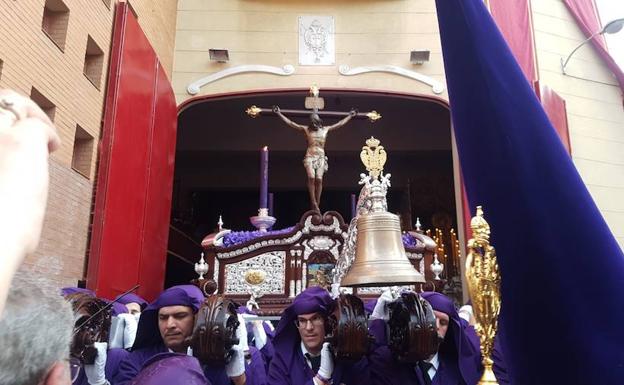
95,373
381,307
130,329
236,366
335,290
248,317
467,313
241,334
327,362
259,334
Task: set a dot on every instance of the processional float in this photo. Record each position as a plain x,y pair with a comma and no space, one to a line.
365,257
312,252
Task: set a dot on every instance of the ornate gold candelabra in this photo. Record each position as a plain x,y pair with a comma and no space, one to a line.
483,280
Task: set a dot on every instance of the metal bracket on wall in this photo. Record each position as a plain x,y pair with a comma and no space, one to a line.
194,87
436,86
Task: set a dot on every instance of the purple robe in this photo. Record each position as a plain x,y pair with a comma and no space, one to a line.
131,365
459,354
171,368
369,306
288,366
384,368
267,351
255,372
256,368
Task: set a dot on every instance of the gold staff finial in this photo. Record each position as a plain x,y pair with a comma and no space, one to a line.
314,91
253,111
484,279
373,116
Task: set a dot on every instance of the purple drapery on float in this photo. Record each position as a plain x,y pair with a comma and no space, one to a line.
561,267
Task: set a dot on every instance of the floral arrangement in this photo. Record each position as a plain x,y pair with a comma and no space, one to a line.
239,237
409,240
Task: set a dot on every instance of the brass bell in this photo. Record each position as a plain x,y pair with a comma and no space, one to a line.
380,258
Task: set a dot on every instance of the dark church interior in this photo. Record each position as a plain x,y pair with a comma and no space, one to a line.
218,157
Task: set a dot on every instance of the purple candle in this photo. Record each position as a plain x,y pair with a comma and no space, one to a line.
353,206
264,177
270,204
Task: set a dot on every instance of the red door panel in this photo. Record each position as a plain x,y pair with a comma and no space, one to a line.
133,195
159,189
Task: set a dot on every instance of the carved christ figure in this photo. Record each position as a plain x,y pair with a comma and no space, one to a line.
315,161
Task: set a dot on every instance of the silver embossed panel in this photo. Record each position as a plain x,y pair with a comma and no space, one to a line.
273,263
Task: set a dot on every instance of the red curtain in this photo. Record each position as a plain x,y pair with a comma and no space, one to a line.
586,16
513,19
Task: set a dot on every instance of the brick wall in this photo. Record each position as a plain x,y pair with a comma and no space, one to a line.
30,59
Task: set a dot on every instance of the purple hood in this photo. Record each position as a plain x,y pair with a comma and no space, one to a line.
460,342
131,297
171,368
182,295
71,290
312,300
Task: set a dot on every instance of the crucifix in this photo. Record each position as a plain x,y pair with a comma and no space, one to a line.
315,160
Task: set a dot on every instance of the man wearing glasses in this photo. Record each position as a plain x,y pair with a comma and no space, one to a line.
301,355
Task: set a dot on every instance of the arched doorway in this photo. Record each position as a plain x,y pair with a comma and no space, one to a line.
217,159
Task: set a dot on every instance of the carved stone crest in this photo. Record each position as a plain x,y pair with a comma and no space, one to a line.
316,40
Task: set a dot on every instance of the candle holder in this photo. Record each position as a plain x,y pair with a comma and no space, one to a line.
263,220
484,280
201,268
436,267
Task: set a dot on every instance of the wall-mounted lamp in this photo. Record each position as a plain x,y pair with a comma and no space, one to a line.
219,55
610,28
419,57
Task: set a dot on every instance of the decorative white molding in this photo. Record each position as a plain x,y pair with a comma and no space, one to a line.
193,88
333,227
436,86
414,255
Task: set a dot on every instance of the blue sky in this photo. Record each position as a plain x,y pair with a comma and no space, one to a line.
610,10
